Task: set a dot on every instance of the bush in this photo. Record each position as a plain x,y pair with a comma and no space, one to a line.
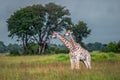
111,54
61,51
103,56
14,53
99,56
55,50
63,57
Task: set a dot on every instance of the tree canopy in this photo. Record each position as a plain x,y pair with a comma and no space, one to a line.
35,24
80,31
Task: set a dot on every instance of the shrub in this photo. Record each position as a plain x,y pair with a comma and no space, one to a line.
99,56
14,53
111,54
62,57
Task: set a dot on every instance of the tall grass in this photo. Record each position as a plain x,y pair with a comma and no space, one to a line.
57,67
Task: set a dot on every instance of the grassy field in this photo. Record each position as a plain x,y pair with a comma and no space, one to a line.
105,66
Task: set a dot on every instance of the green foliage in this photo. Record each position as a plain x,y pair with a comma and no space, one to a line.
66,51
62,57
118,47
96,56
97,46
36,23
112,46
99,56
12,47
14,53
80,31
112,55
3,48
56,49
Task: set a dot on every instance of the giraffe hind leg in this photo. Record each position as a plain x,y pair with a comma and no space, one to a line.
86,64
89,63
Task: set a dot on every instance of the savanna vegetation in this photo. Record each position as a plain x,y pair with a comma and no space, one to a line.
32,26
57,67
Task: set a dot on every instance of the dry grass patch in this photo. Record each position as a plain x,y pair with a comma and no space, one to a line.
55,67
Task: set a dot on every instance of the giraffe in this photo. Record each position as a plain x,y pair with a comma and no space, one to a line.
68,44
80,53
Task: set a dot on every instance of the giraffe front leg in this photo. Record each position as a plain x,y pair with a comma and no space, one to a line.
77,66
72,63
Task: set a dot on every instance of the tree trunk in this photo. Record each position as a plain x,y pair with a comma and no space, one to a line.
39,49
43,48
23,41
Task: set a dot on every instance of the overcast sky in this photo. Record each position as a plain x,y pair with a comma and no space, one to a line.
101,16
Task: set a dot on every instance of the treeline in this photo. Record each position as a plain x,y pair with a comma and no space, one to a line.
15,49
9,48
110,47
97,46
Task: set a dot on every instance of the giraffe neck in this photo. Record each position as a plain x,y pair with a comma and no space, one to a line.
72,40
65,42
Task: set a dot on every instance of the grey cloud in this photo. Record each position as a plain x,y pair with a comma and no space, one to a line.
101,16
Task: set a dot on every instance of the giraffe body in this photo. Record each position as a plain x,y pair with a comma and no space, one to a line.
80,54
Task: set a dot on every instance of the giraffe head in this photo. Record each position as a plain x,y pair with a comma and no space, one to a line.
68,33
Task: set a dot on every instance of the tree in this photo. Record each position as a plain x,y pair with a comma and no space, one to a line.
20,25
14,49
97,46
2,47
35,24
80,31
118,46
112,47
56,18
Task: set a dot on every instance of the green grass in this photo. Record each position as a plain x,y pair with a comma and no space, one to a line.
105,66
